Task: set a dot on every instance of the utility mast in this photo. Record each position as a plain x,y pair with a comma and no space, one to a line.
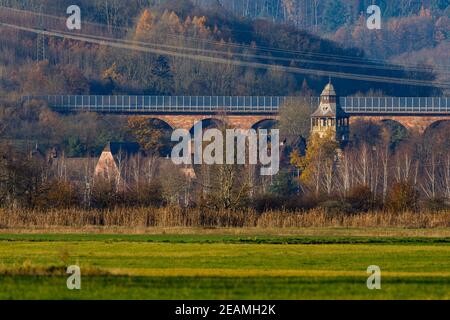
41,40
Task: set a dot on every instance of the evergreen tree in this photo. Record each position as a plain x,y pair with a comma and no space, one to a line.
336,14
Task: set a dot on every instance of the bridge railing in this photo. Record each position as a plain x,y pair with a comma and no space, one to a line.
238,104
396,104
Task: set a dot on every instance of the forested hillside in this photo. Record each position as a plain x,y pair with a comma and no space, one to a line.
74,67
413,32
326,15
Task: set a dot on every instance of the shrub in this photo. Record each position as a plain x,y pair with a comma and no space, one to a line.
104,194
283,184
268,202
437,204
143,195
360,199
336,207
403,197
56,194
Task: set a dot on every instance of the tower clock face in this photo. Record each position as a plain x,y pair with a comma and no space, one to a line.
326,108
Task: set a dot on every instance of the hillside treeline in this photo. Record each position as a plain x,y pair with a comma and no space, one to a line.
73,67
322,14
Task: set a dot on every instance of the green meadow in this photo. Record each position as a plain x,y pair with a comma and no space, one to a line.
214,266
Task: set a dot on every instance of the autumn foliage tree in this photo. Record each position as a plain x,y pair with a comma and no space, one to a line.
145,134
318,165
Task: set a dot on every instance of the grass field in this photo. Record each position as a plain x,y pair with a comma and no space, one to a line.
221,265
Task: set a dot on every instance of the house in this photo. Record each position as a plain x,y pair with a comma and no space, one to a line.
114,157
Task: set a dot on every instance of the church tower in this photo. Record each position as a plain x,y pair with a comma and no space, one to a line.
330,116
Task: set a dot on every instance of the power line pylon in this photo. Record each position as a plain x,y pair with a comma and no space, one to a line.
41,40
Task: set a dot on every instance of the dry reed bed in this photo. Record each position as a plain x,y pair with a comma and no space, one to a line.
179,217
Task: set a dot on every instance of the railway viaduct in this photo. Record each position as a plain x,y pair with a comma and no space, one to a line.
183,112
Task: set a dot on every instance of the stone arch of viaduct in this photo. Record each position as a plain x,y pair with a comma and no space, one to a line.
413,123
245,122
187,122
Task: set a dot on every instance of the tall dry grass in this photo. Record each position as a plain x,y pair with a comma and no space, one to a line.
179,217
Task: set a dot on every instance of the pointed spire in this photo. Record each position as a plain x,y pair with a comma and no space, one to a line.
329,90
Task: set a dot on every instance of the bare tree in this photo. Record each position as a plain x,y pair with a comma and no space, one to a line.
429,183
295,119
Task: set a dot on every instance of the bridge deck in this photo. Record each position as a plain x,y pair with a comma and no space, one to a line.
239,104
